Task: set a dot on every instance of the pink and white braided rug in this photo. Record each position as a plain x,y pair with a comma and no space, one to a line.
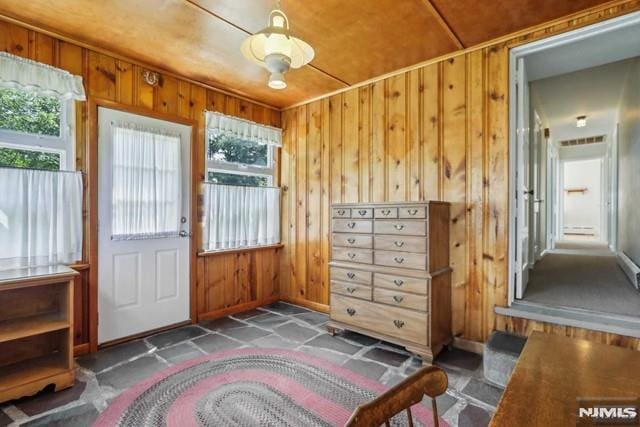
249,387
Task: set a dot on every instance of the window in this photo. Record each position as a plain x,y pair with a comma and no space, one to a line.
36,131
235,161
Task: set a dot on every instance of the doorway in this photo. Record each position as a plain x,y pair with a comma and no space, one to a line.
568,106
143,224
581,201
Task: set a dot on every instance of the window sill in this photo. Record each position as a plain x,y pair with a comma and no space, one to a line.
238,250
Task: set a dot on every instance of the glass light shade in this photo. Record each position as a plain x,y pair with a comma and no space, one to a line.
277,43
276,81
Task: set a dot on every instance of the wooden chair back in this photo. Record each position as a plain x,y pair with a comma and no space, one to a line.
431,381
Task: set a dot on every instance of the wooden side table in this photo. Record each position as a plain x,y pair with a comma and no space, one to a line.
36,330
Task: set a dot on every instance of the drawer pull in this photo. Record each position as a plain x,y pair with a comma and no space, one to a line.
386,212
399,323
351,290
398,226
412,211
396,298
351,240
351,311
398,282
351,275
362,212
341,212
399,260
351,224
398,244
351,255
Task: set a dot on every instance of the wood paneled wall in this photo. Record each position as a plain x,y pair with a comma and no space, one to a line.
437,132
224,280
235,281
525,327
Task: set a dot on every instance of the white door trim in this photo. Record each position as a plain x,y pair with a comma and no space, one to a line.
514,55
181,248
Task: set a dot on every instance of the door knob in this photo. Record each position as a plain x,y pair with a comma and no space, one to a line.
183,233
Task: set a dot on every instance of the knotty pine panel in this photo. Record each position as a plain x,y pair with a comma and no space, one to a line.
436,132
525,327
227,281
237,279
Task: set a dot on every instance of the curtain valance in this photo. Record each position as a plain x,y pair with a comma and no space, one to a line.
21,73
236,217
244,129
40,217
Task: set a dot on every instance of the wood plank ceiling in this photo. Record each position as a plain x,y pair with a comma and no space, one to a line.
355,40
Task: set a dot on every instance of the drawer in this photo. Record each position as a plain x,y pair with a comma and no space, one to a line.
351,290
353,240
402,227
400,299
348,275
341,213
363,256
393,321
406,284
401,259
352,226
401,243
362,213
386,213
412,212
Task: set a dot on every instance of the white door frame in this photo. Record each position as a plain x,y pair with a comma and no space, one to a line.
95,105
514,55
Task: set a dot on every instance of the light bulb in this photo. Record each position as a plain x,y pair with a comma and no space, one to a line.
276,81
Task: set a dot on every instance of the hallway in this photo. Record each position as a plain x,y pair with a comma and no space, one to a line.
593,282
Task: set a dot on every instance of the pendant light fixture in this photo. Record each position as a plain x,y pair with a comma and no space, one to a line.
275,49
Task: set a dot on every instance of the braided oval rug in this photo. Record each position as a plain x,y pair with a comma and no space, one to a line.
249,387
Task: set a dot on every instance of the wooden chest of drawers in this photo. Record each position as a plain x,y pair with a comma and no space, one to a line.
390,274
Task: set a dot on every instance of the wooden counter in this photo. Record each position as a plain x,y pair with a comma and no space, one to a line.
554,371
36,330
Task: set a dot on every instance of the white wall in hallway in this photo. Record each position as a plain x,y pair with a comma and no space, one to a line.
581,210
629,166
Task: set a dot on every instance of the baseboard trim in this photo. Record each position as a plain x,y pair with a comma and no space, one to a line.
630,269
323,308
215,314
468,345
81,349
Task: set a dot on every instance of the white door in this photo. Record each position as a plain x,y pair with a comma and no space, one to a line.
143,220
523,181
537,202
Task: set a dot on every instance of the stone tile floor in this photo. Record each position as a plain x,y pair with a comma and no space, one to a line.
469,401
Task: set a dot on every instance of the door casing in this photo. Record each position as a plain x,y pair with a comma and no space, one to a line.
91,198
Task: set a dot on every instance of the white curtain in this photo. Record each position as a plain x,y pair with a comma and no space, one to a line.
146,183
243,129
40,217
21,73
236,217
